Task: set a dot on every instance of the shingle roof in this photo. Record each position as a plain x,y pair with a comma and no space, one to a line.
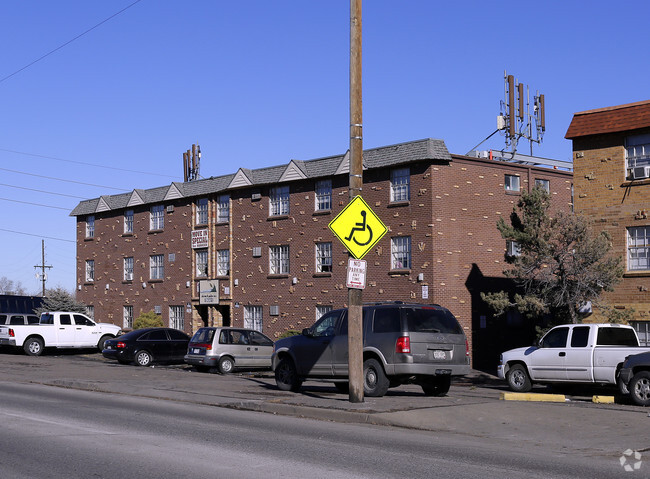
631,116
386,156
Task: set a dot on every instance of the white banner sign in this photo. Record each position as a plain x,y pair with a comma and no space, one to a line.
356,273
200,239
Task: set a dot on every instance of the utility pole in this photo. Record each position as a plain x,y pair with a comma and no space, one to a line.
355,308
42,266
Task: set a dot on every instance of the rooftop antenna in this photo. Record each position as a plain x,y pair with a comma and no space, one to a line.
192,163
516,119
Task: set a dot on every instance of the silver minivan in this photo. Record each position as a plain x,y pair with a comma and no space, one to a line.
228,348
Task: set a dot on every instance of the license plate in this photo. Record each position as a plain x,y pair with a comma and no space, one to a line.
196,351
437,354
108,346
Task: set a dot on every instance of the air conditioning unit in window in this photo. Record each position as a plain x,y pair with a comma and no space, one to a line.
640,172
157,309
170,208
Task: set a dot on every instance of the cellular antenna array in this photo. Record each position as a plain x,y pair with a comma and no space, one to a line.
516,119
192,163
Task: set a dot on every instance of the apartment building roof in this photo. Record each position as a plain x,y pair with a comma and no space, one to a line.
386,156
631,116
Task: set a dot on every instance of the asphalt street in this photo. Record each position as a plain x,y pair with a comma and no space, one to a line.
472,408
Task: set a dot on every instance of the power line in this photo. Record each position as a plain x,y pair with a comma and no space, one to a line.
62,179
43,191
68,42
38,236
87,164
35,204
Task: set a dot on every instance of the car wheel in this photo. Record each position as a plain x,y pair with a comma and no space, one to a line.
342,387
622,387
143,358
518,379
375,382
286,376
436,386
640,388
102,342
33,346
226,365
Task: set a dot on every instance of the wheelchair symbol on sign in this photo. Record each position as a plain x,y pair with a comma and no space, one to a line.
361,227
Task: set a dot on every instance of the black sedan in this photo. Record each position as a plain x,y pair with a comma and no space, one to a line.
144,346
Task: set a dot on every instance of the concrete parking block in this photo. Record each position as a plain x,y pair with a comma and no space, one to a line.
536,397
603,399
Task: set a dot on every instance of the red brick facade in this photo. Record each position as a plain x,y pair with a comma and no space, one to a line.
450,217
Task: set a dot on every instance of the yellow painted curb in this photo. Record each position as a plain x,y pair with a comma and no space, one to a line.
603,399
533,397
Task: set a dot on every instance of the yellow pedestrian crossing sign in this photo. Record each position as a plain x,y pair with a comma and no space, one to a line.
358,227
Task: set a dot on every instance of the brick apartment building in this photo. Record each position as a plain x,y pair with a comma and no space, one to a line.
261,239
611,157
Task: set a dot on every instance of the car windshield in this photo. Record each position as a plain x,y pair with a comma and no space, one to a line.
203,335
431,320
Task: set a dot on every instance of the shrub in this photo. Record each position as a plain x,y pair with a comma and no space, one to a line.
148,320
289,333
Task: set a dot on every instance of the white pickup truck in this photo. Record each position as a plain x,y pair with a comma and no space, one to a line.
58,329
572,353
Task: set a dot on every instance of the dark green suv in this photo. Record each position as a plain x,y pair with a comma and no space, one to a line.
402,343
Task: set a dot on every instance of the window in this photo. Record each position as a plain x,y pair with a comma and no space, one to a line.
399,184
279,259
612,336
90,311
202,262
202,211
321,310
580,337
512,183
128,221
638,246
127,315
90,227
324,195
642,329
279,201
157,266
326,326
555,338
157,218
223,209
177,317
128,269
400,251
223,262
637,151
323,257
253,317
90,270
513,248
543,184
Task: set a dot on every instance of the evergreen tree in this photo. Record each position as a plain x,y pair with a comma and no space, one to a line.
58,299
560,265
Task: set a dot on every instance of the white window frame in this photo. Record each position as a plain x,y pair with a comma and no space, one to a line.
279,259
400,252
223,209
90,311
157,218
323,195
201,261
127,317
202,211
322,309
128,268
157,266
128,221
512,183
279,201
223,262
638,248
253,318
177,317
400,184
637,151
543,184
90,226
324,257
90,270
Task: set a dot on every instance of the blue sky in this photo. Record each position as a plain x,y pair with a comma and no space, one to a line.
257,83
